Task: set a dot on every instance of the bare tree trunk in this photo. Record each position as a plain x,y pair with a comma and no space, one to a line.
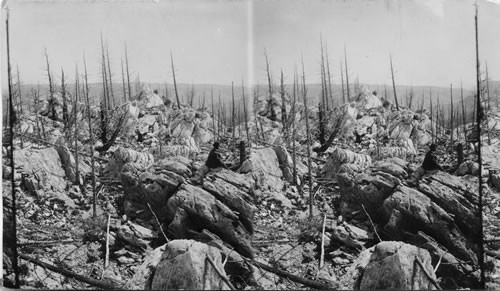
233,117
94,194
270,98
394,85
463,114
65,103
489,106
128,74
283,107
175,83
294,151
51,91
20,106
347,76
342,80
75,117
110,77
124,97
480,161
35,100
329,80
245,111
213,114
451,117
433,121
11,153
311,197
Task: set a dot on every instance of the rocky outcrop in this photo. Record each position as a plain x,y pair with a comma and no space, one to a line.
408,211
121,156
340,157
193,209
393,265
69,164
286,164
41,168
184,265
264,167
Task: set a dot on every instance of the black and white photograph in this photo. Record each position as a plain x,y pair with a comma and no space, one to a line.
250,144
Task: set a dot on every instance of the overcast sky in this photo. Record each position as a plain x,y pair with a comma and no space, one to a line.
216,42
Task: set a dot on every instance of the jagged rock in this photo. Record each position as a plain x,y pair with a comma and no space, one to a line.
6,172
456,196
391,166
122,156
392,152
468,168
69,164
352,278
365,189
264,167
409,211
450,267
204,211
393,265
231,195
174,166
149,99
286,163
341,156
152,188
183,265
495,180
350,235
42,169
147,123
143,274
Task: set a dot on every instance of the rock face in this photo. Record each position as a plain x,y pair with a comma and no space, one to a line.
408,211
340,157
193,209
438,214
184,265
264,168
286,164
232,194
42,169
69,164
392,265
148,187
121,156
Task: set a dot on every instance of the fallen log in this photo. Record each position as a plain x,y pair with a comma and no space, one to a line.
292,277
93,282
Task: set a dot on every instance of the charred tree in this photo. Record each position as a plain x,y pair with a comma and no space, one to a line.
175,83
309,165
394,85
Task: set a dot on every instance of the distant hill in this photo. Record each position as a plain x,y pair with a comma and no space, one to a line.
203,92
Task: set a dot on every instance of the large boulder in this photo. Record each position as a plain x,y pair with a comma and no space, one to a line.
184,266
143,188
149,99
456,196
393,265
408,211
343,156
365,190
68,162
286,163
42,169
263,166
193,209
232,196
121,156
